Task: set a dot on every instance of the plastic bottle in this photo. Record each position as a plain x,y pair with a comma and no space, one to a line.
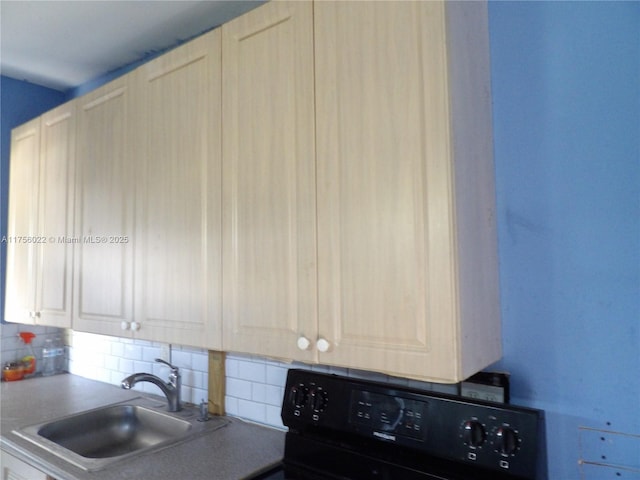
59,357
28,357
48,358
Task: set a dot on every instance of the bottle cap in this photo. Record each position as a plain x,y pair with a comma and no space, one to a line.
27,336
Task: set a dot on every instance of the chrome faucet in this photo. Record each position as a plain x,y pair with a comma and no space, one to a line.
171,389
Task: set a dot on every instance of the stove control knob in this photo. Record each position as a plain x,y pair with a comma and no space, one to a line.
473,433
298,395
506,440
318,399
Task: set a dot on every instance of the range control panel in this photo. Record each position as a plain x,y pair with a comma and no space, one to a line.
387,416
502,437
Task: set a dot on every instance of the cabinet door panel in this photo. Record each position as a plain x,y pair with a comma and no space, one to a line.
23,209
269,261
57,162
178,270
384,197
13,468
104,266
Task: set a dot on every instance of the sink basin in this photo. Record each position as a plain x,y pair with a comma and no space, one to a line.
114,431
96,438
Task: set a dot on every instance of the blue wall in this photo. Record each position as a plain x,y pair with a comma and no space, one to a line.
19,102
566,90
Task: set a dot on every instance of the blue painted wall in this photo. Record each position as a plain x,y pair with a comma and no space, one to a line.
19,102
566,90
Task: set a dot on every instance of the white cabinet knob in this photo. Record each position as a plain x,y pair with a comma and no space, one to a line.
135,326
323,345
124,325
304,343
36,314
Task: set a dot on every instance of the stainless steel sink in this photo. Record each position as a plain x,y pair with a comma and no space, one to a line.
96,438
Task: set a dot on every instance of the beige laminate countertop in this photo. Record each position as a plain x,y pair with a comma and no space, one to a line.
233,452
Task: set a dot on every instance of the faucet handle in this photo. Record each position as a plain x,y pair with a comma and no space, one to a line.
173,369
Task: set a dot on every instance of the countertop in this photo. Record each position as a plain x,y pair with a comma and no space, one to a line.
232,452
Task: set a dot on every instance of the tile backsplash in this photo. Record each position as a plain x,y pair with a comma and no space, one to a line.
111,359
254,385
12,347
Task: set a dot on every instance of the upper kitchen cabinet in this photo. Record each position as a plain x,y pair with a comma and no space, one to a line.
407,252
269,250
178,217
40,234
103,287
23,209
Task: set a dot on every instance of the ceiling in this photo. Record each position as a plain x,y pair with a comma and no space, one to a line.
62,44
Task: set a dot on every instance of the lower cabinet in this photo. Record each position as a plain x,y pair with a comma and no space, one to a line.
15,469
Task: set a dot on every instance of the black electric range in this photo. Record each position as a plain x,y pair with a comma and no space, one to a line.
347,429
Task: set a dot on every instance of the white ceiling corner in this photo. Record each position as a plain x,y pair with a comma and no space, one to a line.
61,44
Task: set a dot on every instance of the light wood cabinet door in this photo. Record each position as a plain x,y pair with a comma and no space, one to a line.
40,235
269,259
22,223
103,270
390,289
178,220
54,281
15,469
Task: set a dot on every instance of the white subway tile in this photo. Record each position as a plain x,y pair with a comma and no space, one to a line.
273,417
186,394
160,369
126,365
102,375
252,411
95,360
200,380
151,388
259,392
276,375
200,362
111,362
140,366
231,367
199,394
117,348
181,359
116,378
150,353
132,351
252,371
231,405
239,388
273,395
188,376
